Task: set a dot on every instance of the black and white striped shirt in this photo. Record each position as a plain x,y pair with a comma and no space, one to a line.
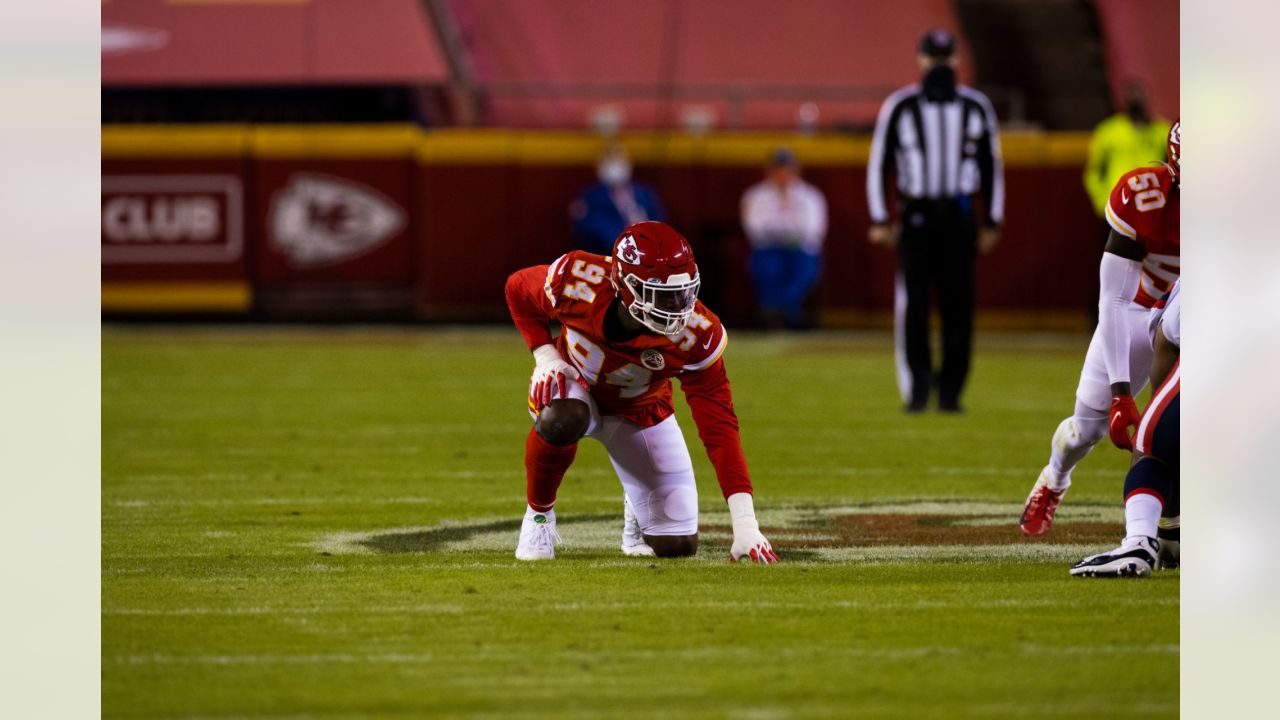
941,150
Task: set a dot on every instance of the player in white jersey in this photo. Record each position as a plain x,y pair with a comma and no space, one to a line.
1139,266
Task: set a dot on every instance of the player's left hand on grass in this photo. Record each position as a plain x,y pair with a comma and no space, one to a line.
753,546
1124,415
748,541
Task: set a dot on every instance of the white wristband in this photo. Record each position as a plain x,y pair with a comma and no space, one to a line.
742,512
544,354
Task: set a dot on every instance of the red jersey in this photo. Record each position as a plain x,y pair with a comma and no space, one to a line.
632,379
1144,207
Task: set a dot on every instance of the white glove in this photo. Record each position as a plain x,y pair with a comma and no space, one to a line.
550,372
748,542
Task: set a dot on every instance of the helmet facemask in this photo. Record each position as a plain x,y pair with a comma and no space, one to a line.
664,307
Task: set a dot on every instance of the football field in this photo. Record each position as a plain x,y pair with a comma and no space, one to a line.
319,523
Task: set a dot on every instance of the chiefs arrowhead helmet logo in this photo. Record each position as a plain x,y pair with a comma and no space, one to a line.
628,252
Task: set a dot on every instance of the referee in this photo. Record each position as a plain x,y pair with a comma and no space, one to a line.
941,139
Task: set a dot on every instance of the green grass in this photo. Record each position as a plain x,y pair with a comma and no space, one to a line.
303,523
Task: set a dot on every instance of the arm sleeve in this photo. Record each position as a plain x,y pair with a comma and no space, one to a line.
530,303
991,164
711,402
883,146
1119,278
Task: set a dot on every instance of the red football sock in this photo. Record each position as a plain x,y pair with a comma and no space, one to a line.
545,465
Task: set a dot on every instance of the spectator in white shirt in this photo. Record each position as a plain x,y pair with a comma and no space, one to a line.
785,219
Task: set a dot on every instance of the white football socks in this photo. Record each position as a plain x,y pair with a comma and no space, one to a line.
530,512
1141,517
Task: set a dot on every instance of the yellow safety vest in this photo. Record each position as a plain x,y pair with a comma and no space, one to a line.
1118,146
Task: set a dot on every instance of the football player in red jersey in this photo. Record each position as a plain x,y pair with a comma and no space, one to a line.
1139,266
630,323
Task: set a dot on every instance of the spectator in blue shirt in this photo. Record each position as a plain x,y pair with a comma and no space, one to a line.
604,209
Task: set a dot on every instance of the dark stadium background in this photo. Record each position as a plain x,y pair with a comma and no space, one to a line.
474,122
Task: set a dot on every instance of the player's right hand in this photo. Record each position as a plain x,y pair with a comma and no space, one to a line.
882,234
551,377
1124,415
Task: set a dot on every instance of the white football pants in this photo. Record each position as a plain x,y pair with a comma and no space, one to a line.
653,464
1077,435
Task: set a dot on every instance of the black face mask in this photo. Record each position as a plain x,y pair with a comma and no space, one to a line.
1136,110
939,83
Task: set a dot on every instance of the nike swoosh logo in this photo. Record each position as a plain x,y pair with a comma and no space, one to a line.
1124,198
707,345
1117,417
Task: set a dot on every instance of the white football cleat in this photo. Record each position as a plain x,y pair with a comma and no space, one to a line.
633,544
538,537
1131,559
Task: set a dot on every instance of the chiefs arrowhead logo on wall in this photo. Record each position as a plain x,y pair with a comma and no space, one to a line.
628,252
319,220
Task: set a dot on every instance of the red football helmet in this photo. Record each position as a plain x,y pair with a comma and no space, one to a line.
1175,149
655,276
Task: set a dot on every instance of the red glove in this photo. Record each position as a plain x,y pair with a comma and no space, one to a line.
541,391
550,374
1124,415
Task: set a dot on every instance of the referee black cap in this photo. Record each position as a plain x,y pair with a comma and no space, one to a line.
938,43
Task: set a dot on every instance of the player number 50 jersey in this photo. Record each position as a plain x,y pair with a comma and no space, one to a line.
1145,207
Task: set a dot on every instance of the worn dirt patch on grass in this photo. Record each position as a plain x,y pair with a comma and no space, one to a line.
874,530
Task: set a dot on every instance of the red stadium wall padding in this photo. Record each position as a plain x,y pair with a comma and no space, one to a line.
335,237
481,223
471,239
386,222
176,219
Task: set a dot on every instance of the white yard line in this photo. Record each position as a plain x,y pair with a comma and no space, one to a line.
665,655
674,605
275,501
372,609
